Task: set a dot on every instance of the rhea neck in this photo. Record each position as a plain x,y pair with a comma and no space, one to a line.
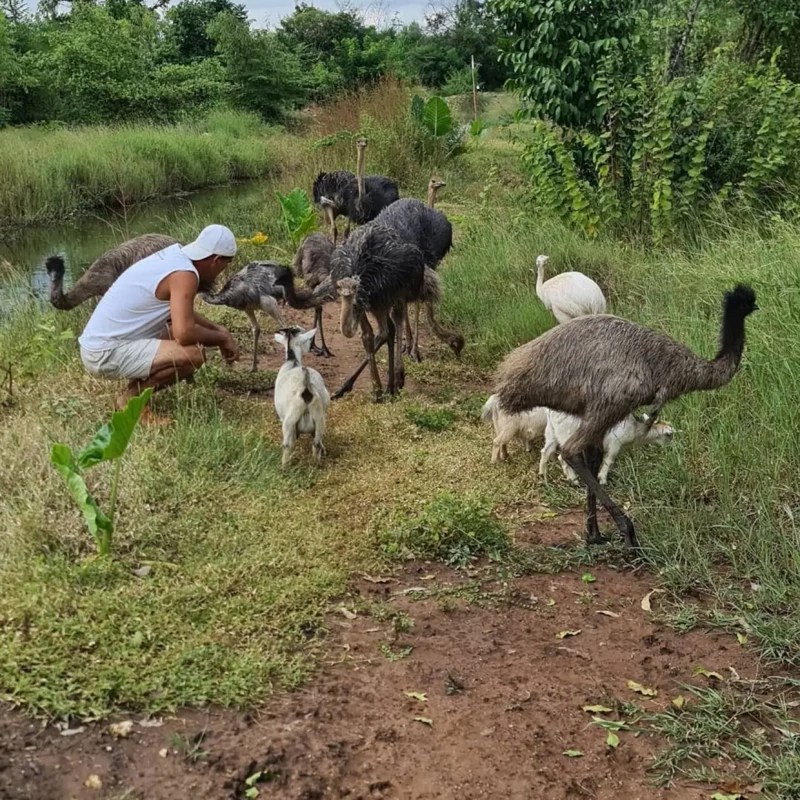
731,345
431,196
347,320
360,171
539,277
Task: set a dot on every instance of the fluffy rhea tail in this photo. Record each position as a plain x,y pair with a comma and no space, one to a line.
737,305
490,408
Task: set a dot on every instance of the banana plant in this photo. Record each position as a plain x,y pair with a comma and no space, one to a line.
298,215
108,444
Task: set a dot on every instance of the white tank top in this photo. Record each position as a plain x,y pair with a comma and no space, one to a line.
130,309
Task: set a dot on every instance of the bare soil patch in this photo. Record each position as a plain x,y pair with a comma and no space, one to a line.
351,732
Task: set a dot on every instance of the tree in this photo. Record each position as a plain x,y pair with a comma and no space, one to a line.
188,23
264,76
556,47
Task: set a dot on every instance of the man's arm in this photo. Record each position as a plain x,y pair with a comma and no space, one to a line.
185,327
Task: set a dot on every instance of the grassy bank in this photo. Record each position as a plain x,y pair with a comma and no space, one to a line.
245,560
53,173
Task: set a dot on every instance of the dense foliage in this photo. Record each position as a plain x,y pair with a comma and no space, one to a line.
648,113
122,60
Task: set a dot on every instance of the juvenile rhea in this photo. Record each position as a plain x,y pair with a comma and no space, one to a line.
301,398
631,431
527,426
568,295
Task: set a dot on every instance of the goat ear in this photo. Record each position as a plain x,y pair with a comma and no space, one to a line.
307,336
280,338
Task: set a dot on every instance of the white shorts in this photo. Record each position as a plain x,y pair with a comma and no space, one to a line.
132,360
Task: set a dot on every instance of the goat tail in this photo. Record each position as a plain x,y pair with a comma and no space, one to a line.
55,266
306,394
490,408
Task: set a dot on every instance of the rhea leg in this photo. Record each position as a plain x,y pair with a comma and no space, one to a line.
592,457
409,337
251,315
398,316
319,351
415,346
368,340
391,336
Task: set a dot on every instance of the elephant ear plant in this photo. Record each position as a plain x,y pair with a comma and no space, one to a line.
108,444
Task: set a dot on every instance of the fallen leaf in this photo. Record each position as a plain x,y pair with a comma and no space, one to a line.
598,709
151,723
679,701
379,579
646,599
611,724
72,731
548,515
347,613
424,720
427,577
251,779
251,793
421,696
93,782
572,753
612,740
121,730
587,577
564,634
163,752
645,690
708,673
741,638
606,613
721,796
551,602
142,572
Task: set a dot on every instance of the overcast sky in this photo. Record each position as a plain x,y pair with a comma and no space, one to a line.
270,12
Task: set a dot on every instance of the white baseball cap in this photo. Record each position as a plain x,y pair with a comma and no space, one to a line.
214,240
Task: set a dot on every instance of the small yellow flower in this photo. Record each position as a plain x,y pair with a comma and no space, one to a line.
258,239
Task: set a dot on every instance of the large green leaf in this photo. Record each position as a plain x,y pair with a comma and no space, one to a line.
112,439
298,214
437,117
64,461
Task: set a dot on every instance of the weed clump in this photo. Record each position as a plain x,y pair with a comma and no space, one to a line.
431,419
456,530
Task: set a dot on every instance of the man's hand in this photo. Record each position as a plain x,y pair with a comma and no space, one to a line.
229,350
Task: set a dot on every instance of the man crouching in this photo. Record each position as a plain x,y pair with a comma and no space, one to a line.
145,329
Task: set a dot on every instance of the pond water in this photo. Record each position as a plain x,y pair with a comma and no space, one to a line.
84,238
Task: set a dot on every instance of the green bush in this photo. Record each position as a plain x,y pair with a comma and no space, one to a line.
431,419
456,530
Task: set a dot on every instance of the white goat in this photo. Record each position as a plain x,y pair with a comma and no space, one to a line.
301,398
528,426
630,431
569,294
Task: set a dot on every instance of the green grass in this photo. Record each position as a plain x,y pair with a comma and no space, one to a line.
52,173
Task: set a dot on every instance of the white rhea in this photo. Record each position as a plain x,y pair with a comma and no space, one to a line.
301,398
561,426
568,295
527,425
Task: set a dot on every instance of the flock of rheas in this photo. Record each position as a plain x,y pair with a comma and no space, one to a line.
578,384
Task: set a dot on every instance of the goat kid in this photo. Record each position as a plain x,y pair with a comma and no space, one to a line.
528,426
561,426
301,398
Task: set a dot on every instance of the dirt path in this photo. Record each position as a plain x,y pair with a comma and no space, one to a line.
351,732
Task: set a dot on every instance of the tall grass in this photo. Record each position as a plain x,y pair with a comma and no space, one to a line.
52,173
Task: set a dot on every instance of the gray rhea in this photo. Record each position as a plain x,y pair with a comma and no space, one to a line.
101,273
603,368
312,263
377,272
257,287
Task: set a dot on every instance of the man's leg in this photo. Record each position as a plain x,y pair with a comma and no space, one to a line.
172,363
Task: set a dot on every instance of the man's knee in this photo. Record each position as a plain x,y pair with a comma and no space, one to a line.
195,356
